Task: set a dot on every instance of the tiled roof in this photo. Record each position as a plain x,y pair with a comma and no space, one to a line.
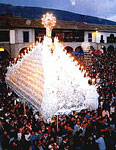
5,23
17,22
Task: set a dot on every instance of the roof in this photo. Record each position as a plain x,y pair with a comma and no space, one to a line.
18,22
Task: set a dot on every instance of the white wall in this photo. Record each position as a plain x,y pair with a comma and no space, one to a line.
96,36
74,45
12,36
19,35
86,36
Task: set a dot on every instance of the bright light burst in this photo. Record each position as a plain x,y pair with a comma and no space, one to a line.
52,82
49,21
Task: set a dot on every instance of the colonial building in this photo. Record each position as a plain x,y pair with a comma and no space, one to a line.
18,33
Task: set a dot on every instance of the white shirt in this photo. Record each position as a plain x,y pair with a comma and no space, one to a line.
27,137
36,117
19,136
101,143
9,94
112,110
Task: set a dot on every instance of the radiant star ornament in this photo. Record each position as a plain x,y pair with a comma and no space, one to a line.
49,21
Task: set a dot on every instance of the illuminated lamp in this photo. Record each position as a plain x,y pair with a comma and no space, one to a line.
1,49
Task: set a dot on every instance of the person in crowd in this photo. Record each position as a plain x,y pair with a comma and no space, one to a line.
80,130
101,142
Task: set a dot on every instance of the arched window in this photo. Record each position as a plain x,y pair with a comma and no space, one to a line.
111,39
110,48
69,49
92,48
22,50
78,49
112,36
4,54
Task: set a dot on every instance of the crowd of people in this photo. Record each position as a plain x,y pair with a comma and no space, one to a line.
84,130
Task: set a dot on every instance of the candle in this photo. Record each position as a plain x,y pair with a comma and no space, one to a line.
93,81
81,68
86,74
15,59
76,62
21,54
24,51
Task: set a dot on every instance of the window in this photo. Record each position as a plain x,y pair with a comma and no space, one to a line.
4,36
102,39
39,34
25,36
89,37
111,39
79,36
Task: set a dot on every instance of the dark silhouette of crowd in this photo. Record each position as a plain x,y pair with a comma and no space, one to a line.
84,130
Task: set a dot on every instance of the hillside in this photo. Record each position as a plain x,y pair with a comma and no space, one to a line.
37,12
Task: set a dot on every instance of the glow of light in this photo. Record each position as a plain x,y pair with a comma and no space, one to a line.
96,32
22,54
25,51
85,46
37,42
87,74
19,56
76,63
53,82
68,54
48,20
1,49
82,67
15,59
30,46
93,81
33,44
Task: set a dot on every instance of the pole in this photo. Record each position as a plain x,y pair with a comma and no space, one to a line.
24,107
57,123
57,129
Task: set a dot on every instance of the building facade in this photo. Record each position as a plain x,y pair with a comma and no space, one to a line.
17,33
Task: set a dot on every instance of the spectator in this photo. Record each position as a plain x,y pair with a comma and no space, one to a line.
75,131
101,142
